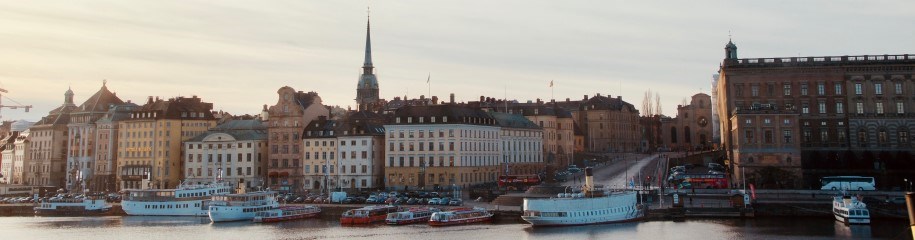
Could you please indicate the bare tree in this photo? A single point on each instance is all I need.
(657, 104)
(647, 104)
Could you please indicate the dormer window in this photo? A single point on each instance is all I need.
(432, 119)
(445, 119)
(397, 120)
(420, 119)
(409, 119)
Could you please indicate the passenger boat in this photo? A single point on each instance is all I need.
(237, 207)
(592, 206)
(90, 205)
(186, 200)
(286, 213)
(368, 214)
(460, 216)
(849, 210)
(411, 216)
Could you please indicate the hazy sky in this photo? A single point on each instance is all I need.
(236, 54)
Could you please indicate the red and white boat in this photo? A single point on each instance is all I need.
(411, 216)
(460, 216)
(287, 213)
(368, 214)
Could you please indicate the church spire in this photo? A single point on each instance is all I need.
(367, 65)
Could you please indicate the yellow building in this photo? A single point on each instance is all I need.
(150, 141)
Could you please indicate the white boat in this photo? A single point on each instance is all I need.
(460, 216)
(849, 210)
(592, 206)
(237, 207)
(186, 200)
(286, 214)
(72, 207)
(410, 216)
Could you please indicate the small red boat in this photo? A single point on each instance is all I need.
(460, 216)
(368, 214)
(286, 213)
(411, 216)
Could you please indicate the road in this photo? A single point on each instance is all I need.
(614, 174)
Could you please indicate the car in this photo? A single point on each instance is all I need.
(348, 200)
(714, 172)
(360, 200)
(434, 201)
(299, 200)
(574, 169)
(456, 202)
(895, 200)
(422, 194)
(411, 201)
(444, 201)
(433, 194)
(393, 194)
(371, 200)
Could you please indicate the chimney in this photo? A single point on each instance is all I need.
(434, 100)
(482, 99)
(567, 99)
(589, 179)
(619, 97)
(452, 98)
(149, 100)
(586, 98)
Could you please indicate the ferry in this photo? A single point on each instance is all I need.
(238, 207)
(91, 205)
(411, 216)
(591, 206)
(186, 200)
(460, 216)
(849, 210)
(368, 214)
(286, 214)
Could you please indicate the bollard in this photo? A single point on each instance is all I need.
(910, 206)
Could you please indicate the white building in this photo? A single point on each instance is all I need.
(234, 151)
(12, 152)
(522, 144)
(319, 162)
(358, 140)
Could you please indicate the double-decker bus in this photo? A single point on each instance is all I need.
(848, 183)
(517, 182)
(682, 181)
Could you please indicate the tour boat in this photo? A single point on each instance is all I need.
(592, 206)
(237, 207)
(411, 216)
(186, 200)
(849, 210)
(368, 214)
(72, 207)
(286, 213)
(460, 216)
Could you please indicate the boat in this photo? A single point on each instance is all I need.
(244, 206)
(411, 216)
(185, 200)
(460, 216)
(367, 214)
(90, 205)
(849, 210)
(591, 206)
(286, 213)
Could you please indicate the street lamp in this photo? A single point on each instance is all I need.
(908, 184)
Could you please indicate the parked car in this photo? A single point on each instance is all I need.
(434, 201)
(456, 202)
(896, 200)
(433, 194)
(371, 200)
(402, 200)
(444, 201)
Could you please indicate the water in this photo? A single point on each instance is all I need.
(192, 228)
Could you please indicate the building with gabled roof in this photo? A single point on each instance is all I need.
(83, 139)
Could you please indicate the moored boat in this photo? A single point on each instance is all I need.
(367, 214)
(91, 205)
(237, 207)
(460, 216)
(411, 216)
(592, 206)
(849, 210)
(186, 200)
(287, 213)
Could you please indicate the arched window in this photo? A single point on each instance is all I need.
(862, 137)
(686, 135)
(673, 134)
(881, 136)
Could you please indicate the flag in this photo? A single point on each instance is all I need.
(551, 83)
(429, 78)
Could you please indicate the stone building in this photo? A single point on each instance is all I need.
(854, 112)
(48, 140)
(150, 145)
(106, 148)
(82, 142)
(610, 125)
(521, 144)
(234, 151)
(358, 140)
(286, 121)
(691, 129)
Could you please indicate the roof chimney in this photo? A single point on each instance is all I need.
(150, 100)
(452, 98)
(434, 100)
(586, 97)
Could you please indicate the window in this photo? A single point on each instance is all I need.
(787, 89)
(821, 88)
(881, 136)
(824, 135)
(838, 88)
(739, 90)
(858, 88)
(787, 135)
(768, 136)
(879, 107)
(878, 88)
(859, 107)
(862, 137)
(787, 121)
(822, 107)
(754, 90)
(900, 108)
(750, 136)
(805, 109)
(804, 89)
(903, 137)
(898, 88)
(839, 108)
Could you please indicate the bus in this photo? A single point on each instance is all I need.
(518, 182)
(684, 181)
(848, 183)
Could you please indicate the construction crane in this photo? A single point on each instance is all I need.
(27, 107)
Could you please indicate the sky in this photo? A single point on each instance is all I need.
(237, 54)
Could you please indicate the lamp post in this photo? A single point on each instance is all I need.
(908, 184)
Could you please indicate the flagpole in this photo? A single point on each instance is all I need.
(429, 84)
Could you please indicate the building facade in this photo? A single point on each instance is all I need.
(286, 122)
(691, 129)
(150, 142)
(854, 112)
(48, 140)
(7, 153)
(82, 142)
(610, 125)
(320, 163)
(106, 150)
(521, 144)
(234, 151)
(441, 146)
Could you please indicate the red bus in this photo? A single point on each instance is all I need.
(518, 181)
(682, 181)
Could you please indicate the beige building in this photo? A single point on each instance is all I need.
(521, 144)
(106, 150)
(286, 121)
(234, 151)
(47, 149)
(82, 142)
(150, 141)
(358, 140)
(691, 129)
(558, 131)
(610, 125)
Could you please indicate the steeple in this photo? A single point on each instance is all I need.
(367, 88)
(68, 97)
(367, 65)
(730, 50)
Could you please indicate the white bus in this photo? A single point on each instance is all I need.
(848, 183)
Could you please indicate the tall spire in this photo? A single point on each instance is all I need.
(367, 66)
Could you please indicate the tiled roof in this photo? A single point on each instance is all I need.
(507, 120)
(239, 129)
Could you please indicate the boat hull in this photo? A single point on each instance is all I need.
(71, 212)
(229, 214)
(852, 220)
(362, 220)
(137, 208)
(461, 221)
(406, 221)
(556, 222)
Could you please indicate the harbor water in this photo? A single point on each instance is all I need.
(145, 228)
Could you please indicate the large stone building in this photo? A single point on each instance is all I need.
(441, 146)
(234, 151)
(106, 148)
(150, 142)
(691, 129)
(82, 142)
(610, 125)
(521, 144)
(854, 112)
(48, 140)
(286, 121)
(358, 140)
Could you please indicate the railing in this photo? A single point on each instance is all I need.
(822, 60)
